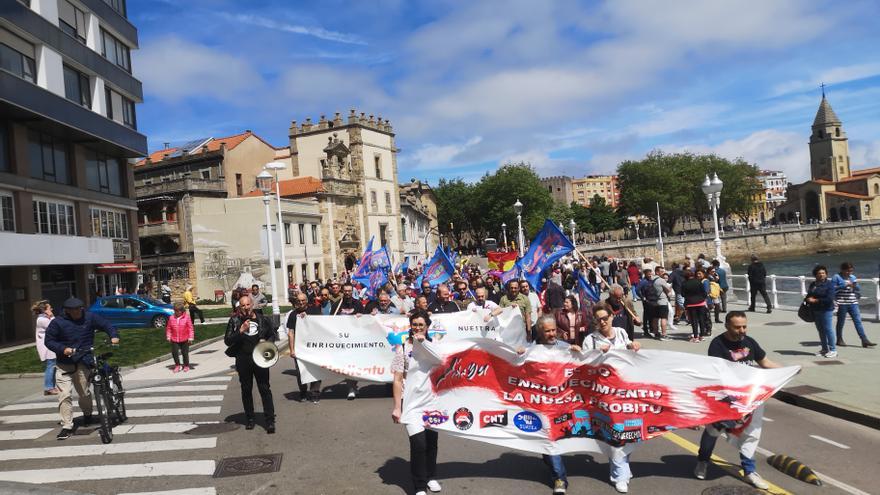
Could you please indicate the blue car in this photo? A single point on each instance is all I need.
(130, 311)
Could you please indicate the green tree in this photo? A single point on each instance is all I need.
(603, 217)
(582, 217)
(455, 199)
(496, 193)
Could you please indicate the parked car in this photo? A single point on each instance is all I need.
(130, 311)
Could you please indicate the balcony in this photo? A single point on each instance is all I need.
(183, 185)
(158, 229)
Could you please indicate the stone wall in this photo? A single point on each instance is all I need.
(765, 243)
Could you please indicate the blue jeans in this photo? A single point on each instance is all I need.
(557, 467)
(855, 314)
(826, 333)
(707, 445)
(618, 464)
(49, 375)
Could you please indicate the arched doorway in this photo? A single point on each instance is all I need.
(790, 217)
(350, 262)
(832, 216)
(844, 215)
(811, 200)
(853, 212)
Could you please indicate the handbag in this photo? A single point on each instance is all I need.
(805, 312)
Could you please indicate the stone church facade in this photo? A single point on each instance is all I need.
(834, 192)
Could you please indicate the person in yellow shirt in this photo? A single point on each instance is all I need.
(190, 302)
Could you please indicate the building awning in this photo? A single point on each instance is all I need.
(117, 268)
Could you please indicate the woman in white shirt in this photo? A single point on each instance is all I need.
(43, 310)
(422, 442)
(605, 338)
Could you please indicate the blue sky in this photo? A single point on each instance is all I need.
(571, 87)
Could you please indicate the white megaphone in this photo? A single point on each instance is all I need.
(265, 354)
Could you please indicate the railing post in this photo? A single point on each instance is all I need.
(877, 296)
(773, 290)
(748, 290)
(803, 280)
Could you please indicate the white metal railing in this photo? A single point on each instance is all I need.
(788, 291)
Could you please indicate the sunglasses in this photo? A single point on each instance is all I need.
(604, 319)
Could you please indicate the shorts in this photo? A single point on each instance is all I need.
(661, 311)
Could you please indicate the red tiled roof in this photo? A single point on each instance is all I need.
(848, 195)
(298, 187)
(866, 171)
(213, 145)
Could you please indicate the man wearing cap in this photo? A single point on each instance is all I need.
(70, 337)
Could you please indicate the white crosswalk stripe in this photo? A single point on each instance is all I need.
(177, 388)
(23, 434)
(110, 448)
(208, 379)
(129, 429)
(158, 399)
(132, 413)
(208, 490)
(103, 472)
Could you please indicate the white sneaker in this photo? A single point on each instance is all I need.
(434, 486)
(820, 353)
(831, 354)
(756, 480)
(700, 470)
(421, 493)
(621, 487)
(351, 395)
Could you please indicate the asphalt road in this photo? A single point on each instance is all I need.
(342, 447)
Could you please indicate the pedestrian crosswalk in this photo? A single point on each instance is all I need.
(158, 433)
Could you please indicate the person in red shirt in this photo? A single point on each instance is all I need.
(179, 331)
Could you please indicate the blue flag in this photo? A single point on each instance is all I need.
(380, 259)
(362, 272)
(404, 267)
(378, 278)
(548, 246)
(586, 291)
(511, 274)
(438, 270)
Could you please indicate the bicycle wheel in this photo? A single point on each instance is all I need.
(119, 396)
(106, 427)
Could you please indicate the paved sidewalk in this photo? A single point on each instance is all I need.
(845, 386)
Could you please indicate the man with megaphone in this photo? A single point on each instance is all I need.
(244, 331)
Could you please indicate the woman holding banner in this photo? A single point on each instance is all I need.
(605, 338)
(422, 442)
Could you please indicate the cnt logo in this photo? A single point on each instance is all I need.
(493, 418)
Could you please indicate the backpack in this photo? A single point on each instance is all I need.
(649, 291)
(714, 290)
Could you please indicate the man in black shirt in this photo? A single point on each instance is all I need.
(444, 302)
(348, 305)
(757, 276)
(301, 308)
(734, 345)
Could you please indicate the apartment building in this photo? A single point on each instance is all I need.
(68, 127)
(583, 189)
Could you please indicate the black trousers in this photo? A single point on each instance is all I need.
(754, 289)
(180, 348)
(193, 311)
(701, 325)
(423, 458)
(248, 371)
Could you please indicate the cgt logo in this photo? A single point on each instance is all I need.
(463, 419)
(435, 417)
(493, 418)
(527, 421)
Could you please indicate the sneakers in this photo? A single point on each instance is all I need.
(694, 339)
(352, 394)
(831, 354)
(559, 486)
(185, 369)
(250, 424)
(64, 434)
(868, 343)
(55, 391)
(176, 369)
(422, 492)
(270, 428)
(821, 353)
(665, 337)
(757, 481)
(621, 487)
(434, 486)
(700, 470)
(841, 343)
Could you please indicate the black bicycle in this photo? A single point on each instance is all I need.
(108, 391)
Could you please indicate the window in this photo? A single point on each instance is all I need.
(115, 51)
(302, 235)
(4, 148)
(304, 271)
(317, 271)
(837, 131)
(48, 157)
(7, 213)
(111, 224)
(387, 201)
(374, 203)
(403, 229)
(206, 174)
(76, 87)
(103, 173)
(117, 5)
(314, 235)
(17, 56)
(72, 20)
(51, 217)
(120, 108)
(286, 233)
(377, 160)
(238, 185)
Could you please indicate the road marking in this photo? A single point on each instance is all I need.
(828, 480)
(106, 449)
(765, 418)
(830, 442)
(720, 462)
(207, 490)
(178, 388)
(126, 429)
(160, 399)
(109, 472)
(23, 434)
(207, 379)
(131, 413)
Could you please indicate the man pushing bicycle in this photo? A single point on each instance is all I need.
(71, 336)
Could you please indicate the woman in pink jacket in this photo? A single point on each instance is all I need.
(179, 331)
(43, 310)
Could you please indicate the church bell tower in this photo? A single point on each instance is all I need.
(829, 147)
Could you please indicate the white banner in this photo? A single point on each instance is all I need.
(555, 401)
(362, 347)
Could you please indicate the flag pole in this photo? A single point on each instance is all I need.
(660, 236)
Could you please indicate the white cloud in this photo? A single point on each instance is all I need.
(658, 121)
(209, 243)
(173, 69)
(438, 156)
(317, 32)
(834, 75)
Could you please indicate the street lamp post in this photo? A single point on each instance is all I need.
(517, 208)
(797, 215)
(504, 233)
(264, 183)
(636, 225)
(156, 251)
(712, 190)
(573, 226)
(275, 167)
